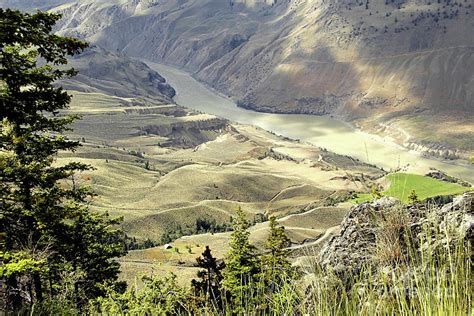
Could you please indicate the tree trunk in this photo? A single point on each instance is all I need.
(13, 296)
(38, 286)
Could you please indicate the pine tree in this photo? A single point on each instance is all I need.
(209, 284)
(376, 194)
(275, 263)
(277, 273)
(42, 216)
(413, 197)
(242, 266)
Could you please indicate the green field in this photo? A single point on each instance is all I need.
(401, 185)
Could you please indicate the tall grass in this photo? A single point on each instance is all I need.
(429, 273)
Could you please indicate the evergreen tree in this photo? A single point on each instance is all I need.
(375, 191)
(42, 216)
(210, 278)
(275, 264)
(90, 246)
(413, 197)
(241, 267)
(277, 273)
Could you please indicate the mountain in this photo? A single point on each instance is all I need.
(116, 74)
(393, 67)
(31, 5)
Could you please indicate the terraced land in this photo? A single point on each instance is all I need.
(165, 168)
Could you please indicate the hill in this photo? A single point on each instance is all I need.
(102, 71)
(389, 66)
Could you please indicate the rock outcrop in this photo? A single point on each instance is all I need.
(188, 133)
(355, 248)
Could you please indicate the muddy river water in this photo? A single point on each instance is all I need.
(321, 131)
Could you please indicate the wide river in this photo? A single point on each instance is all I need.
(321, 131)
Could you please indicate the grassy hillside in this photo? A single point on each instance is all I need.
(162, 167)
(401, 185)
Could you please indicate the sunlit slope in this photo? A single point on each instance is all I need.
(392, 67)
(301, 228)
(163, 167)
(402, 184)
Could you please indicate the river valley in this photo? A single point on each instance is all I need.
(325, 132)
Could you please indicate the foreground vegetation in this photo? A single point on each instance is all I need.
(51, 245)
(425, 274)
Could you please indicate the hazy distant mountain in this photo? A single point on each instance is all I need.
(31, 4)
(392, 66)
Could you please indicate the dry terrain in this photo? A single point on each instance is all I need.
(391, 67)
(163, 165)
(177, 175)
(164, 168)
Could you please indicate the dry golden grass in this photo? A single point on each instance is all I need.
(158, 188)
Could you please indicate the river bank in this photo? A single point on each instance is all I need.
(326, 132)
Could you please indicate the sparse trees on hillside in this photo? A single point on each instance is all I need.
(45, 227)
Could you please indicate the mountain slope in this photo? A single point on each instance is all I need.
(115, 74)
(390, 66)
(31, 5)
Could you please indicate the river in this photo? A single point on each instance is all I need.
(320, 131)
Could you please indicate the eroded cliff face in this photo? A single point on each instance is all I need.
(403, 63)
(103, 71)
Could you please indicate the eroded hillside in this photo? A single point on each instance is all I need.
(172, 172)
(391, 67)
(102, 71)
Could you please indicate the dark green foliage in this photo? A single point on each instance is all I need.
(131, 243)
(90, 246)
(413, 197)
(242, 266)
(157, 296)
(250, 281)
(376, 194)
(209, 285)
(275, 262)
(46, 229)
(277, 274)
(201, 226)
